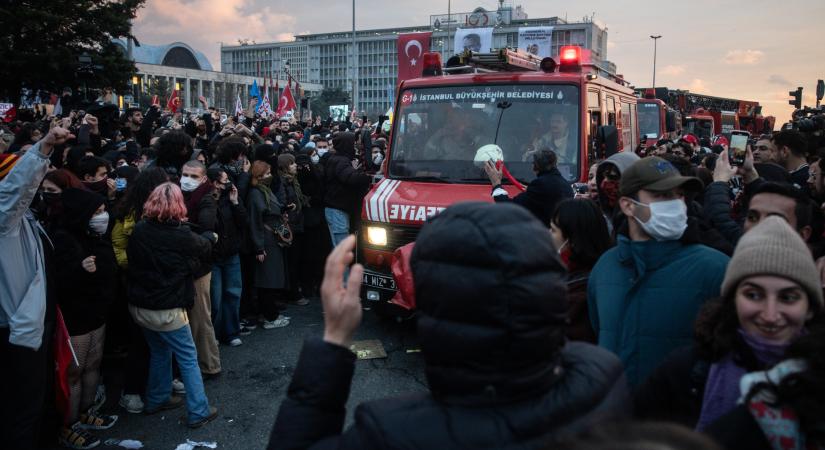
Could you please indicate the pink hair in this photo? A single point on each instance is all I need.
(165, 203)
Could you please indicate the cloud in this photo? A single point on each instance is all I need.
(673, 70)
(204, 24)
(698, 86)
(744, 57)
(778, 79)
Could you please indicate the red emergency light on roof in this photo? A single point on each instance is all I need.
(650, 94)
(570, 57)
(432, 64)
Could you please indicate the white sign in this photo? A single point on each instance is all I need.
(4, 107)
(339, 113)
(473, 39)
(536, 40)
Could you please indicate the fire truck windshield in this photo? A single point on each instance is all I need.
(439, 130)
(649, 120)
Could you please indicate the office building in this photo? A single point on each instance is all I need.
(324, 59)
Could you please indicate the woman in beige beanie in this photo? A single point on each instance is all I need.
(771, 294)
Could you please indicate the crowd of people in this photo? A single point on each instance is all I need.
(676, 288)
(161, 236)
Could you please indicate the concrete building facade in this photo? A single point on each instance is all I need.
(325, 59)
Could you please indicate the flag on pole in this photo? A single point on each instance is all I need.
(174, 102)
(238, 106)
(264, 109)
(255, 92)
(285, 102)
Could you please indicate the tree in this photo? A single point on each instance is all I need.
(41, 46)
(321, 102)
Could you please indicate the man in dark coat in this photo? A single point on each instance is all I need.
(492, 316)
(542, 194)
(346, 185)
(202, 211)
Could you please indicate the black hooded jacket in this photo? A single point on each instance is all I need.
(163, 259)
(492, 313)
(84, 297)
(345, 186)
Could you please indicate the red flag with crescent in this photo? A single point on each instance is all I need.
(411, 49)
(174, 102)
(286, 102)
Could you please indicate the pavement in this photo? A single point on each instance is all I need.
(256, 375)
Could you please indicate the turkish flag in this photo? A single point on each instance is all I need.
(286, 102)
(411, 49)
(63, 357)
(174, 102)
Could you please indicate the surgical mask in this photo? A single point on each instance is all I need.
(377, 158)
(668, 219)
(188, 184)
(99, 222)
(315, 159)
(322, 151)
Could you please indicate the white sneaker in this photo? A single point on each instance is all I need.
(178, 387)
(280, 322)
(131, 403)
(235, 342)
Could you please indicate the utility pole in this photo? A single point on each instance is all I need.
(655, 40)
(354, 65)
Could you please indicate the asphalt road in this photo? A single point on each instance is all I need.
(255, 379)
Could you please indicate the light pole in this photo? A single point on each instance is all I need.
(655, 39)
(354, 65)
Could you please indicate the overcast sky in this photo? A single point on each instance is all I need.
(748, 49)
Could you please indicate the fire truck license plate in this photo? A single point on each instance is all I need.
(379, 281)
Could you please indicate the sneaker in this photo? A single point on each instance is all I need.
(303, 301)
(77, 438)
(235, 342)
(280, 322)
(249, 324)
(95, 421)
(178, 387)
(246, 331)
(213, 413)
(173, 402)
(100, 399)
(131, 403)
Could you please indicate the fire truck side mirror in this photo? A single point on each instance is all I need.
(607, 141)
(820, 90)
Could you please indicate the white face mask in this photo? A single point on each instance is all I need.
(668, 219)
(322, 151)
(315, 159)
(99, 222)
(377, 158)
(188, 184)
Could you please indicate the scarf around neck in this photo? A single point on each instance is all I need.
(722, 386)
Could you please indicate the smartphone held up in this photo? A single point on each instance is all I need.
(738, 147)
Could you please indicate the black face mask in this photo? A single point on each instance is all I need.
(101, 186)
(51, 198)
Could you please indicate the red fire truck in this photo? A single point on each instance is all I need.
(708, 116)
(508, 98)
(657, 120)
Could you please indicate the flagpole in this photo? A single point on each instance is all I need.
(354, 64)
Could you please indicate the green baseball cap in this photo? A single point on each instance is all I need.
(657, 175)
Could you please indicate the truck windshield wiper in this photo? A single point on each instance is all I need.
(426, 178)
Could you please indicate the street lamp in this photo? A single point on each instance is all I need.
(655, 39)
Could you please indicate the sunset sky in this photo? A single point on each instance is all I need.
(753, 50)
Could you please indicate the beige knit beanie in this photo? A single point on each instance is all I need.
(774, 248)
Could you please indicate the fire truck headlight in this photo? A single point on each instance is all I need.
(377, 236)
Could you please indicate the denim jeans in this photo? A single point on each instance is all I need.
(159, 387)
(226, 288)
(338, 222)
